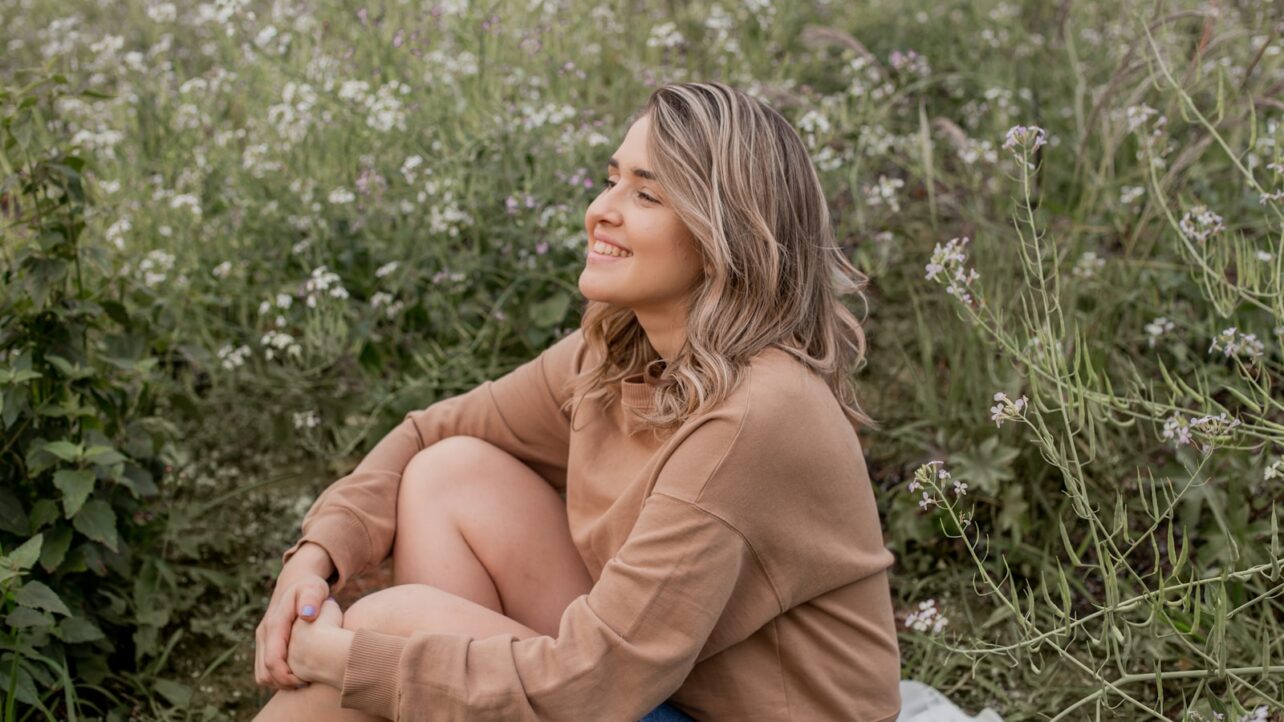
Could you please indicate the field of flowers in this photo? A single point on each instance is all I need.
(242, 238)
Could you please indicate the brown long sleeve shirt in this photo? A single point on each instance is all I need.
(738, 563)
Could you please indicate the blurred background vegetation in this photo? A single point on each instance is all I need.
(242, 238)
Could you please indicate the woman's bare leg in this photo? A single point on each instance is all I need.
(482, 548)
(476, 522)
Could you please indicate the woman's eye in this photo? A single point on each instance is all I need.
(611, 184)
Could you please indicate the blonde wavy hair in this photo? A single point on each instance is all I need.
(738, 175)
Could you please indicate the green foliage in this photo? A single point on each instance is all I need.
(80, 457)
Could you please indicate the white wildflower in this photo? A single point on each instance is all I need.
(306, 419)
(233, 357)
(927, 618)
(1007, 409)
(1088, 265)
(1199, 223)
(1158, 328)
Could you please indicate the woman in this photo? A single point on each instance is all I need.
(718, 546)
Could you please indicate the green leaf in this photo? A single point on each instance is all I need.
(103, 455)
(97, 520)
(78, 629)
(13, 515)
(27, 554)
(55, 548)
(38, 595)
(64, 450)
(75, 485)
(43, 512)
(28, 617)
(178, 694)
(987, 466)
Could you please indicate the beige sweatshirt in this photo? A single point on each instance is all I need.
(738, 563)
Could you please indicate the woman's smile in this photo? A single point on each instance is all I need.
(603, 251)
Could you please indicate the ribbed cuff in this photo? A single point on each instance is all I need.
(342, 537)
(370, 681)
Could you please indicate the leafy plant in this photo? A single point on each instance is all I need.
(80, 455)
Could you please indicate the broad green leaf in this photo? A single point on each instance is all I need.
(178, 694)
(64, 450)
(38, 595)
(28, 617)
(75, 485)
(57, 542)
(97, 520)
(78, 629)
(27, 554)
(103, 455)
(43, 512)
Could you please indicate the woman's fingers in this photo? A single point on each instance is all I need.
(331, 613)
(277, 641)
(311, 594)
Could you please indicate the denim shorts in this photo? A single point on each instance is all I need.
(667, 713)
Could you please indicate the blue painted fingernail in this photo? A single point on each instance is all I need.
(309, 610)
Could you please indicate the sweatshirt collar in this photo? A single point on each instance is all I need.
(638, 390)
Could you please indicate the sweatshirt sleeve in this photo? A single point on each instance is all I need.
(621, 649)
(354, 518)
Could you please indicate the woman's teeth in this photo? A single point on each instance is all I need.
(610, 250)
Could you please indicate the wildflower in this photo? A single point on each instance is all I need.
(1088, 265)
(386, 269)
(1006, 408)
(1157, 328)
(1235, 343)
(276, 341)
(926, 618)
(1257, 715)
(1199, 223)
(1263, 256)
(960, 488)
(1176, 427)
(1026, 138)
(222, 269)
(1128, 194)
(116, 232)
(306, 419)
(408, 168)
(156, 266)
(380, 298)
(341, 195)
(323, 282)
(232, 358)
(1138, 115)
(926, 501)
(885, 192)
(664, 35)
(1275, 470)
(1270, 197)
(950, 258)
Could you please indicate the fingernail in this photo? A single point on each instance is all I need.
(309, 610)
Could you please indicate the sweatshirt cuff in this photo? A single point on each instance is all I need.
(342, 537)
(370, 681)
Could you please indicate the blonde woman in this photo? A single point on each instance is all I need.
(665, 515)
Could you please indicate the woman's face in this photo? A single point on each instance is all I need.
(660, 264)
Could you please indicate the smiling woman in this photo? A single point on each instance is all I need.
(728, 564)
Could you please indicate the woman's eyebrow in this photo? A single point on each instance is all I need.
(639, 172)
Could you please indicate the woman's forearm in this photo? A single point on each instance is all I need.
(311, 557)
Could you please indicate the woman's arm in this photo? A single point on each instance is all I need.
(353, 520)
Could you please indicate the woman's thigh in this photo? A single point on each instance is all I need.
(475, 521)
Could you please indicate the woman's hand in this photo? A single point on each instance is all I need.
(319, 650)
(300, 590)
